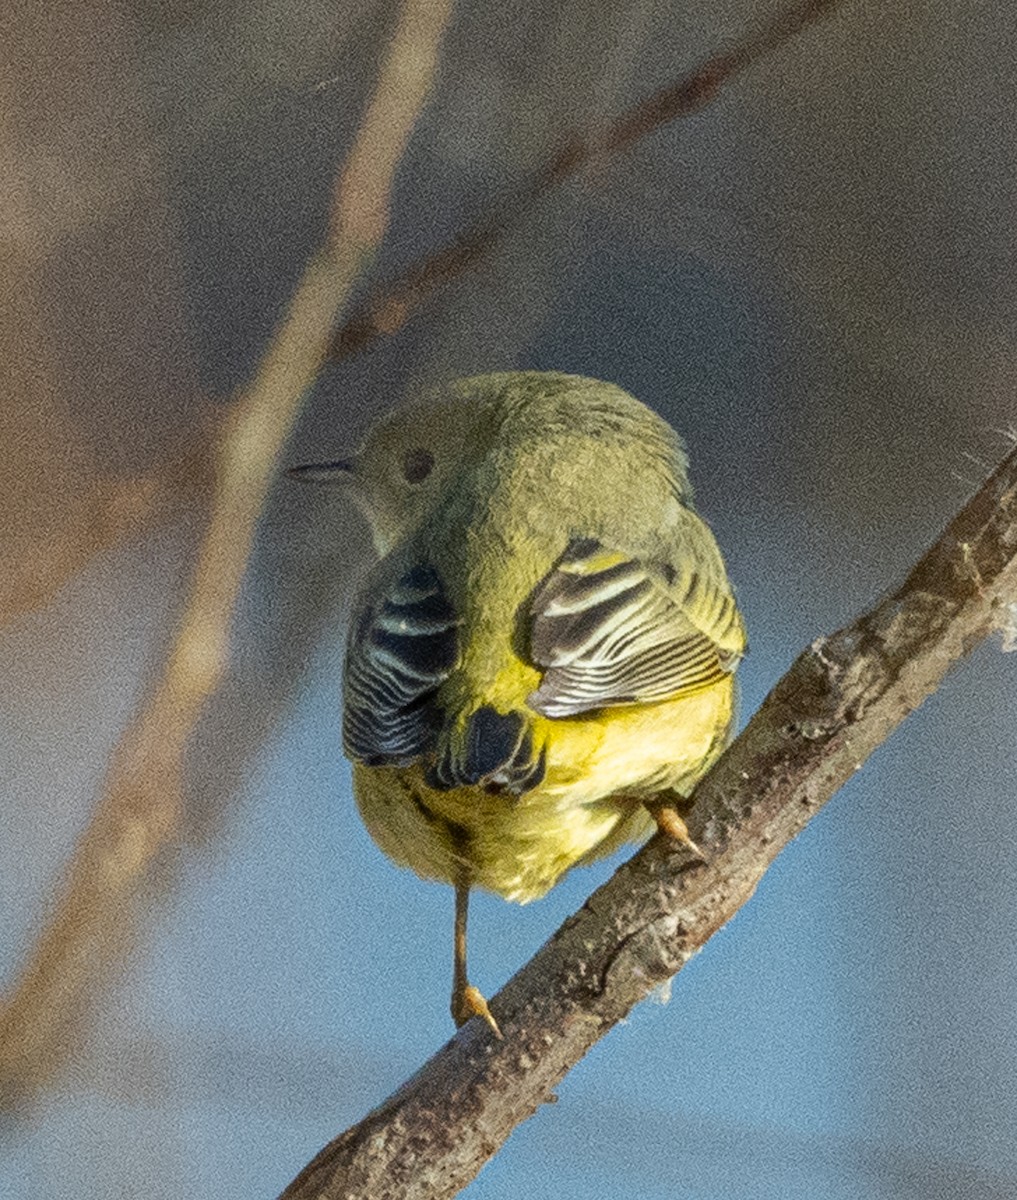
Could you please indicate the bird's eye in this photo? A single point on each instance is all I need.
(417, 465)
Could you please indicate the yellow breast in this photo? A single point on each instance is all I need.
(600, 767)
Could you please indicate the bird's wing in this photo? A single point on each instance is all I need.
(609, 629)
(403, 645)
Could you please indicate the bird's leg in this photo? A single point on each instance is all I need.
(671, 822)
(466, 999)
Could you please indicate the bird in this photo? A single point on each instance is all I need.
(540, 664)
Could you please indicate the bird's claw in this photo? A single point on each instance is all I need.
(468, 1002)
(670, 822)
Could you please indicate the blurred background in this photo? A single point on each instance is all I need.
(814, 280)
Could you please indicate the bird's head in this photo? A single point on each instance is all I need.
(565, 429)
(410, 460)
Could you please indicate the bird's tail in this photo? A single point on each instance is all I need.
(488, 749)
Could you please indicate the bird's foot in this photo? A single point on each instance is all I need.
(467, 1002)
(671, 822)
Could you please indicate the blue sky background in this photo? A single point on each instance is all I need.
(814, 282)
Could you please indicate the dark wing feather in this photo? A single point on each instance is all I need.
(403, 645)
(611, 630)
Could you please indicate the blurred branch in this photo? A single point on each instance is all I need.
(138, 812)
(838, 702)
(35, 563)
(117, 509)
(388, 309)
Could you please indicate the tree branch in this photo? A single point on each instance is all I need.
(389, 307)
(139, 810)
(838, 702)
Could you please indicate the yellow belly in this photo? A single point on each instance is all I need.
(599, 769)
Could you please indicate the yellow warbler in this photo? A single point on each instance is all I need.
(540, 664)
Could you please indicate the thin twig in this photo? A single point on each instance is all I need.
(138, 813)
(389, 307)
(837, 703)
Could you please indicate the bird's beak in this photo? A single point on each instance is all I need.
(337, 471)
